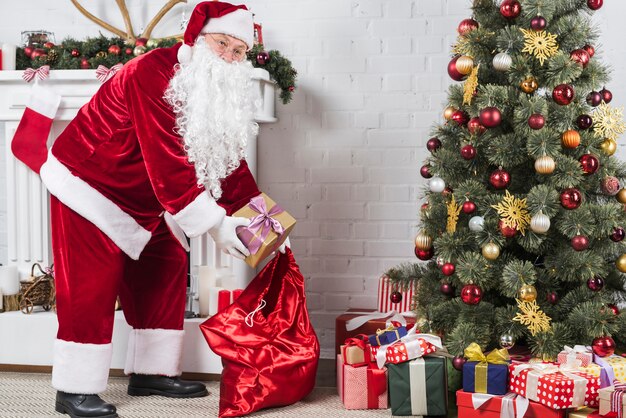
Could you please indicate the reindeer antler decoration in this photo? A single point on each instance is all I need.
(129, 34)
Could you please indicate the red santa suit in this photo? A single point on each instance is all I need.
(122, 188)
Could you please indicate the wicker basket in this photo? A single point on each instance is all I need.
(39, 291)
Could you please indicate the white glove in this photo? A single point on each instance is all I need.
(285, 244)
(226, 239)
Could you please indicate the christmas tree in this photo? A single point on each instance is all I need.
(524, 215)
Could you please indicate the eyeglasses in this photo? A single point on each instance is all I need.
(222, 46)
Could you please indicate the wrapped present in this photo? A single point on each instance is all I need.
(578, 352)
(511, 405)
(391, 297)
(365, 321)
(418, 387)
(269, 227)
(612, 368)
(409, 347)
(486, 373)
(362, 387)
(357, 351)
(387, 335)
(554, 386)
(584, 413)
(613, 400)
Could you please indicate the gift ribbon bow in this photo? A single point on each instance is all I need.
(474, 353)
(364, 317)
(536, 370)
(411, 340)
(40, 73)
(617, 398)
(262, 223)
(103, 73)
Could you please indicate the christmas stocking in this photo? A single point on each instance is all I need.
(29, 144)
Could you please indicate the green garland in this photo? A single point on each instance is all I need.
(92, 52)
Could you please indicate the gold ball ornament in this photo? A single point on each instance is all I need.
(621, 196)
(101, 54)
(528, 293)
(529, 85)
(545, 165)
(491, 251)
(609, 146)
(620, 263)
(448, 112)
(139, 50)
(152, 43)
(464, 64)
(423, 241)
(570, 139)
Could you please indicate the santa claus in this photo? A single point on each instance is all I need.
(157, 154)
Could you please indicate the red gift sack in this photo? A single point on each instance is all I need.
(268, 346)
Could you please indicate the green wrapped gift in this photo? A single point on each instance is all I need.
(419, 387)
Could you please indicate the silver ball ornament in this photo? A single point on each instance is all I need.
(507, 341)
(540, 223)
(476, 223)
(437, 185)
(502, 62)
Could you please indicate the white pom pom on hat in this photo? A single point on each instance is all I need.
(217, 17)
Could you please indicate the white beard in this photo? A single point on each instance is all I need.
(214, 103)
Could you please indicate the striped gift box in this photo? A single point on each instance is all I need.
(386, 288)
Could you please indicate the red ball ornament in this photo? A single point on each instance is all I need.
(590, 50)
(589, 163)
(475, 127)
(448, 269)
(458, 362)
(580, 243)
(447, 289)
(48, 45)
(618, 234)
(500, 179)
(460, 117)
(580, 56)
(466, 26)
(490, 117)
(510, 9)
(595, 4)
(571, 198)
(594, 98)
(141, 41)
(563, 94)
(536, 121)
(453, 72)
(506, 230)
(538, 23)
(84, 64)
(424, 206)
(75, 53)
(425, 172)
(469, 207)
(603, 346)
(395, 297)
(291, 88)
(610, 185)
(128, 51)
(262, 58)
(468, 152)
(424, 255)
(613, 308)
(607, 96)
(28, 50)
(115, 49)
(552, 298)
(471, 294)
(433, 144)
(38, 52)
(584, 122)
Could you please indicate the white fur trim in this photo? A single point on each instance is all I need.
(176, 230)
(44, 101)
(200, 215)
(82, 198)
(154, 351)
(184, 54)
(81, 368)
(238, 24)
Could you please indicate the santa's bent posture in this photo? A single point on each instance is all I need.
(155, 155)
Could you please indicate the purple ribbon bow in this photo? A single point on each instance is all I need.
(103, 73)
(263, 223)
(40, 73)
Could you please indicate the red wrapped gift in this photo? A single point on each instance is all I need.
(362, 387)
(388, 291)
(491, 406)
(410, 347)
(578, 352)
(555, 387)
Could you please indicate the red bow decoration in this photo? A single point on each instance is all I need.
(103, 73)
(40, 73)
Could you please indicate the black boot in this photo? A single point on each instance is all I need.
(172, 387)
(79, 406)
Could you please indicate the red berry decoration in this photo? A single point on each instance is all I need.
(115, 49)
(510, 9)
(589, 163)
(75, 53)
(618, 234)
(614, 308)
(425, 172)
(610, 185)
(580, 56)
(469, 207)
(28, 50)
(536, 121)
(395, 297)
(475, 127)
(607, 96)
(538, 23)
(458, 362)
(433, 144)
(38, 52)
(603, 346)
(128, 51)
(466, 26)
(595, 4)
(471, 294)
(580, 243)
(468, 152)
(141, 41)
(48, 45)
(552, 298)
(500, 179)
(563, 94)
(262, 58)
(460, 117)
(594, 98)
(571, 198)
(584, 122)
(590, 50)
(506, 230)
(448, 269)
(446, 289)
(490, 117)
(424, 255)
(84, 64)
(453, 72)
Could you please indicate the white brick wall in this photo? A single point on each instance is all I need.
(344, 157)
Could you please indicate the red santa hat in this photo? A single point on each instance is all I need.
(217, 17)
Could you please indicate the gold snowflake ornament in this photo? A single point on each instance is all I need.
(608, 121)
(470, 86)
(513, 212)
(531, 316)
(541, 44)
(454, 209)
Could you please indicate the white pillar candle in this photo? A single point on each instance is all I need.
(9, 280)
(8, 56)
(207, 280)
(213, 299)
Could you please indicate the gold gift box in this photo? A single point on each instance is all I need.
(273, 240)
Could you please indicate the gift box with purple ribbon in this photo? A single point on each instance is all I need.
(269, 227)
